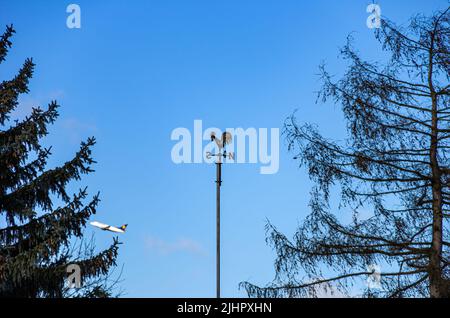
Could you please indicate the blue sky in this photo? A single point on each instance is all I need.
(136, 70)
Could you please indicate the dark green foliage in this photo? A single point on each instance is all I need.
(35, 245)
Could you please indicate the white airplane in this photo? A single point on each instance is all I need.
(106, 227)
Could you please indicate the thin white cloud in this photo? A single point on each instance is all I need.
(25, 107)
(75, 124)
(180, 245)
(77, 129)
(27, 102)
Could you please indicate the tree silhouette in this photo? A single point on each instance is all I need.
(35, 244)
(395, 161)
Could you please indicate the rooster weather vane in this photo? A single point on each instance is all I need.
(221, 144)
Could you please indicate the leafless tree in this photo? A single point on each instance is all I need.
(395, 161)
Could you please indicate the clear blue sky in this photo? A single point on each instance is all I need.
(138, 69)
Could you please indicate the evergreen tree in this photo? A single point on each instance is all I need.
(395, 161)
(35, 237)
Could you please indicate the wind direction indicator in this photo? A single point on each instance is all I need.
(221, 144)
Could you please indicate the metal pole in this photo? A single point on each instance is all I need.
(218, 184)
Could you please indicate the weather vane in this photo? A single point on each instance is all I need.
(222, 153)
(221, 144)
